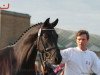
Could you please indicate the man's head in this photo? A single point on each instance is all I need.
(81, 32)
(82, 37)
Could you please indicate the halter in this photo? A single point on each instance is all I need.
(46, 50)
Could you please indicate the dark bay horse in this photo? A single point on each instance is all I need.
(19, 58)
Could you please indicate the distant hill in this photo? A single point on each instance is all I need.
(67, 39)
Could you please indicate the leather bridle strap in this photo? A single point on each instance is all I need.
(42, 60)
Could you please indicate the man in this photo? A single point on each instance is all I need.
(80, 60)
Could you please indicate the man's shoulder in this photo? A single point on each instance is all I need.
(90, 51)
(93, 54)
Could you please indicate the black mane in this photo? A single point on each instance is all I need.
(27, 31)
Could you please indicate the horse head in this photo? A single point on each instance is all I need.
(47, 42)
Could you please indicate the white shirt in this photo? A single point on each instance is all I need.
(78, 62)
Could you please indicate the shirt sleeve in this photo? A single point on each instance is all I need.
(96, 64)
(65, 55)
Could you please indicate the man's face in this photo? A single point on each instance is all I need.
(82, 41)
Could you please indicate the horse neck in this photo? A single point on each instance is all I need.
(24, 45)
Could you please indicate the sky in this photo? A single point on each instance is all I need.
(72, 14)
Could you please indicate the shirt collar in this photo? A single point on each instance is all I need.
(80, 49)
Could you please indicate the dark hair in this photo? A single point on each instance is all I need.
(81, 32)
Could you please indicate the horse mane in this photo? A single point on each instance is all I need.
(23, 46)
(34, 25)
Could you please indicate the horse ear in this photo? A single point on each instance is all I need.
(54, 23)
(46, 22)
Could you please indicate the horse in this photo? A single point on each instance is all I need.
(19, 58)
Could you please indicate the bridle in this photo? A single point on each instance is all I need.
(44, 55)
